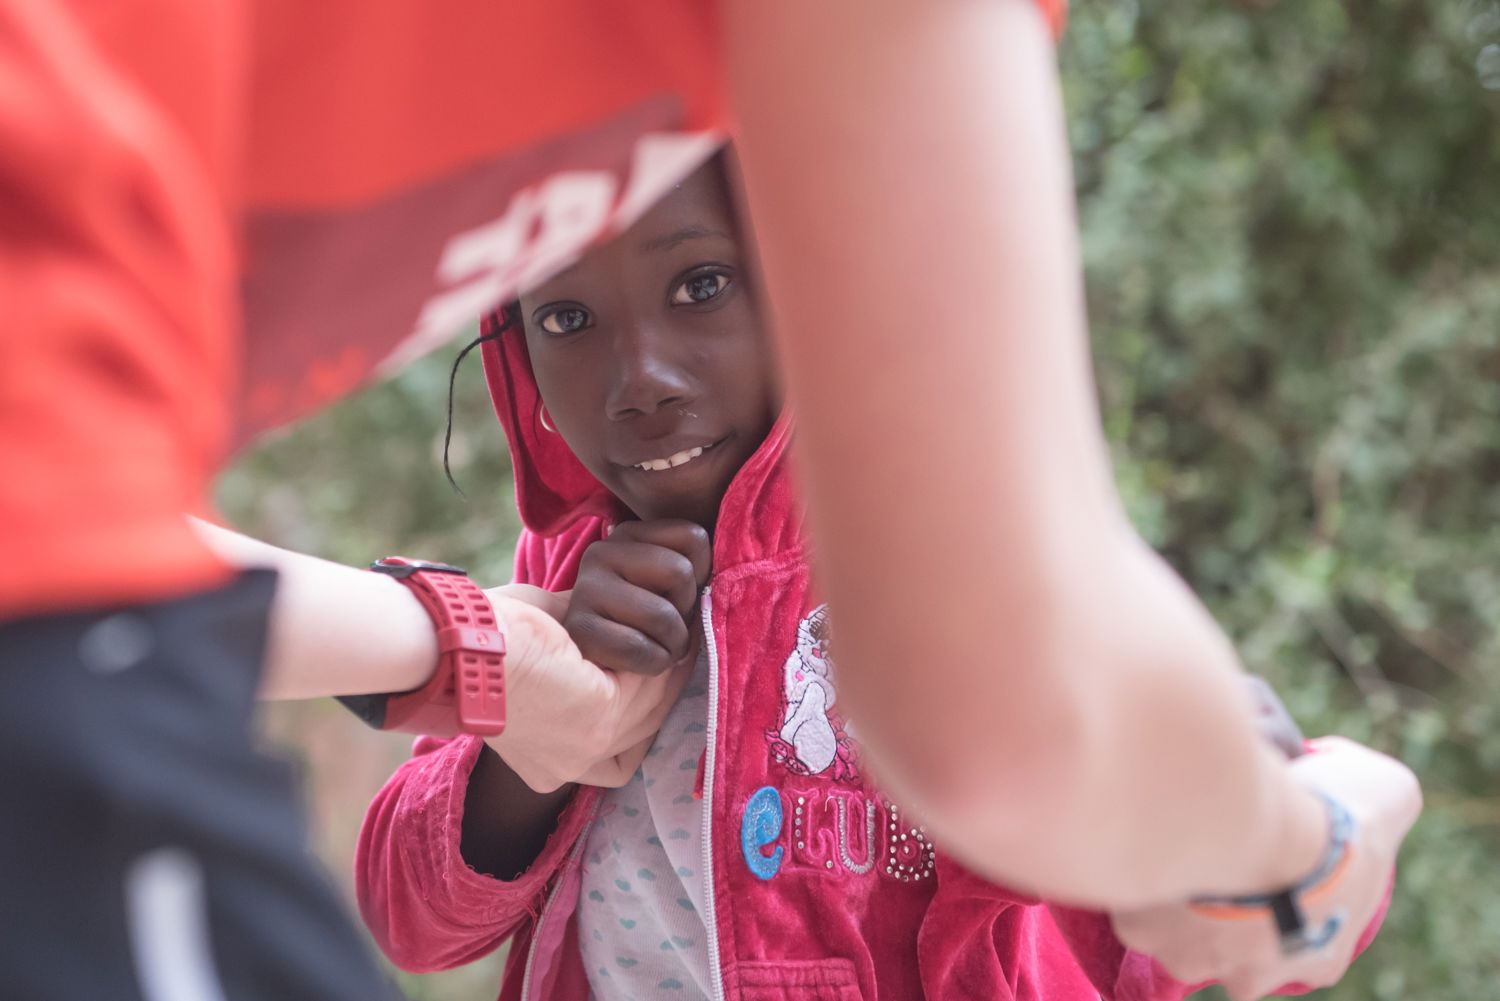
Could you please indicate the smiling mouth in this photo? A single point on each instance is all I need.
(675, 459)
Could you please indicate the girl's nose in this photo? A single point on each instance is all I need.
(647, 377)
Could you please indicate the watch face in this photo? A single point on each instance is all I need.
(400, 566)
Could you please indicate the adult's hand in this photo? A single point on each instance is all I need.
(569, 720)
(1243, 952)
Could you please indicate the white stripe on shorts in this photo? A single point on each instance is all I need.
(167, 917)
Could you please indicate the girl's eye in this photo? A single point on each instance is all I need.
(700, 288)
(567, 320)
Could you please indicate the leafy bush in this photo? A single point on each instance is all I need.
(1292, 242)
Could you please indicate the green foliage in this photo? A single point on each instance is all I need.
(1292, 239)
(1293, 243)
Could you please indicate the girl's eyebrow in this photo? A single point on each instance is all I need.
(657, 244)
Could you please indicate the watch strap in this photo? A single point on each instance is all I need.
(1285, 907)
(466, 693)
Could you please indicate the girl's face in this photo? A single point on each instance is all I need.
(650, 358)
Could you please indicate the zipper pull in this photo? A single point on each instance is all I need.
(698, 782)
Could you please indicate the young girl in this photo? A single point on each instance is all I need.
(751, 855)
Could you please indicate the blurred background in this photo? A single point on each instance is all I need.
(1291, 225)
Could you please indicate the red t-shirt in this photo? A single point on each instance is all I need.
(217, 217)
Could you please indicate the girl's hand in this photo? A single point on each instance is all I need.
(632, 604)
(1244, 954)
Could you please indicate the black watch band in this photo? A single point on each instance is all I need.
(1286, 906)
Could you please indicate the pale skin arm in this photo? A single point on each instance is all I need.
(1025, 672)
(337, 630)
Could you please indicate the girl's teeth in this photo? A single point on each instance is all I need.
(671, 460)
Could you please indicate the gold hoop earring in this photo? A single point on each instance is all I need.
(543, 417)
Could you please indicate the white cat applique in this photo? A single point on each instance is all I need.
(811, 739)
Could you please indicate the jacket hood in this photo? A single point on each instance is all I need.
(554, 489)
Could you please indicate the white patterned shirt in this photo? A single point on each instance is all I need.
(642, 899)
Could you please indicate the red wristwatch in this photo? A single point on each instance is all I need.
(466, 693)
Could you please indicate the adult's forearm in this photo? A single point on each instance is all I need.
(1142, 778)
(1018, 666)
(334, 630)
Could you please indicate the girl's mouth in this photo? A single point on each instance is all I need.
(675, 459)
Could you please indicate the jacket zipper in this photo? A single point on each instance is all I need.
(711, 923)
(536, 935)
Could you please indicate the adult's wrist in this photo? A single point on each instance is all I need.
(1298, 838)
(414, 645)
(334, 630)
(341, 631)
(1286, 908)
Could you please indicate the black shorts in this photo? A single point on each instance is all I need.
(147, 850)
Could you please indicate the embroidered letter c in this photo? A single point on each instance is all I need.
(761, 826)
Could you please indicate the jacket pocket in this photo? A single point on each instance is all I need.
(801, 980)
